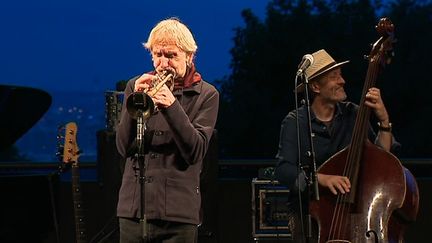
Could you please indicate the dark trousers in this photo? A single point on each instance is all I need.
(158, 231)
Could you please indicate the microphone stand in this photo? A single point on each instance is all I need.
(310, 169)
(142, 179)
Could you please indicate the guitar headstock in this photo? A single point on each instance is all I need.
(382, 49)
(68, 150)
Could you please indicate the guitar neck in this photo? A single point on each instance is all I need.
(80, 229)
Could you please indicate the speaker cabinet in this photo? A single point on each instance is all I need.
(271, 210)
(208, 230)
(110, 167)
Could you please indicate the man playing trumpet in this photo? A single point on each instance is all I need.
(176, 139)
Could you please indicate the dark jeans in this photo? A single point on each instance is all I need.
(158, 231)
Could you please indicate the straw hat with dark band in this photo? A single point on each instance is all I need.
(322, 63)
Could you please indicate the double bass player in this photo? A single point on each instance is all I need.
(332, 121)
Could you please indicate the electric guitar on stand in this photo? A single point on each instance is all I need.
(69, 156)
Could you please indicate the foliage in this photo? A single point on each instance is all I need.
(259, 91)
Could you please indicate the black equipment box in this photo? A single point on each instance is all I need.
(271, 210)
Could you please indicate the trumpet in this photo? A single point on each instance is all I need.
(141, 103)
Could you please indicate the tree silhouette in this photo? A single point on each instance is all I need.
(408, 87)
(259, 92)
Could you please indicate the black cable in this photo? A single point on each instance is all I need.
(102, 235)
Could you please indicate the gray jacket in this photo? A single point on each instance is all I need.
(175, 143)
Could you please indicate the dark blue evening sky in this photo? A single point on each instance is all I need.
(90, 45)
(77, 50)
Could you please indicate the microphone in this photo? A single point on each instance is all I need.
(306, 61)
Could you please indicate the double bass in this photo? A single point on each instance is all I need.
(383, 198)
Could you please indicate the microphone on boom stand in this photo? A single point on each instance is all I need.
(140, 107)
(306, 61)
(308, 168)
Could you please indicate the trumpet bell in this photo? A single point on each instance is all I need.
(140, 104)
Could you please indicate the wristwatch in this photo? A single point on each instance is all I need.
(383, 128)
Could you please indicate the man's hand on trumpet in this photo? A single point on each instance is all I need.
(142, 83)
(163, 98)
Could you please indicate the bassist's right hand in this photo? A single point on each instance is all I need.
(335, 183)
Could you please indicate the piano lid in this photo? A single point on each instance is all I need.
(20, 109)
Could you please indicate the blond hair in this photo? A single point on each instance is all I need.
(172, 31)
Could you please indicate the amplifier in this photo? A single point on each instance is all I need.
(113, 105)
(272, 213)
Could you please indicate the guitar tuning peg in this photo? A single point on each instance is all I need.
(58, 154)
(60, 167)
(366, 57)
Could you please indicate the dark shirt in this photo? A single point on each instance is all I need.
(328, 139)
